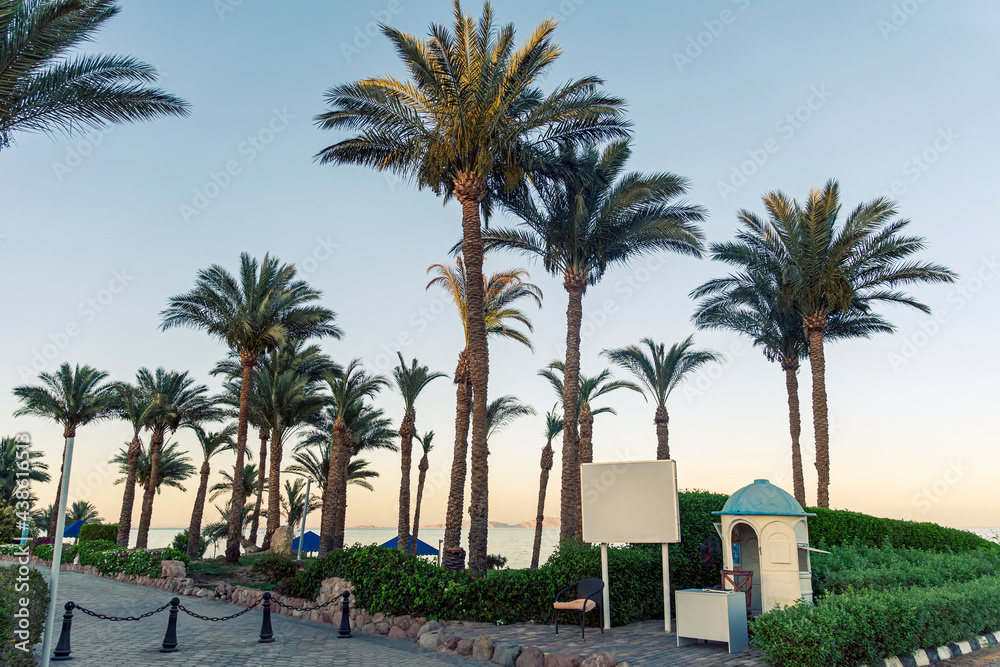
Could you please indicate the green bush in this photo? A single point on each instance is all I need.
(10, 523)
(274, 568)
(13, 587)
(44, 551)
(181, 542)
(99, 531)
(862, 567)
(836, 527)
(866, 626)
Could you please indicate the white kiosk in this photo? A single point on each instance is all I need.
(764, 531)
(631, 501)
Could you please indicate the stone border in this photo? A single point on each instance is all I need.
(934, 655)
(428, 634)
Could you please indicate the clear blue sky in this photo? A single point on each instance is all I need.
(98, 232)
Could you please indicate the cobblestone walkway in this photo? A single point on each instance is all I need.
(230, 643)
(640, 644)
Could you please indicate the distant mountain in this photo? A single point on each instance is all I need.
(547, 522)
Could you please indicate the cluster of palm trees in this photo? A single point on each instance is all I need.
(469, 121)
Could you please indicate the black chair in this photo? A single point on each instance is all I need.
(588, 597)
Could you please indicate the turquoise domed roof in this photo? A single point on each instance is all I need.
(762, 497)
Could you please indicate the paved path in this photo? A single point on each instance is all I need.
(96, 642)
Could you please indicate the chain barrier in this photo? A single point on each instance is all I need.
(105, 617)
(319, 606)
(218, 618)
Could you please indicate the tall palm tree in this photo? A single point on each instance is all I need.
(426, 444)
(175, 467)
(467, 124)
(293, 502)
(139, 406)
(15, 466)
(45, 86)
(351, 386)
(71, 397)
(83, 510)
(409, 381)
(553, 427)
(586, 217)
(248, 482)
(181, 404)
(830, 268)
(211, 443)
(660, 371)
(503, 290)
(256, 313)
(314, 463)
(286, 396)
(748, 303)
(501, 413)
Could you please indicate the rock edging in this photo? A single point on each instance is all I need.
(934, 655)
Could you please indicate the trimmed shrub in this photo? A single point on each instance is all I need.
(44, 551)
(181, 542)
(274, 568)
(866, 626)
(137, 561)
(836, 527)
(13, 587)
(99, 531)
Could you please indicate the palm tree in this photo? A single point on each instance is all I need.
(138, 406)
(748, 302)
(181, 404)
(660, 371)
(83, 510)
(211, 443)
(70, 397)
(42, 518)
(351, 386)
(427, 444)
(829, 268)
(315, 464)
(12, 462)
(501, 413)
(293, 502)
(410, 381)
(587, 217)
(248, 482)
(253, 315)
(286, 396)
(467, 125)
(553, 427)
(46, 87)
(503, 290)
(174, 467)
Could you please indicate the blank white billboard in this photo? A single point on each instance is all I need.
(630, 501)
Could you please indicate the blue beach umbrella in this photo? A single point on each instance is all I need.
(310, 543)
(73, 529)
(423, 549)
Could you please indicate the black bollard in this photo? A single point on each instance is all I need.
(345, 617)
(62, 648)
(170, 639)
(266, 634)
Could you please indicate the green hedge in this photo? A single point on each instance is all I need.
(99, 531)
(836, 527)
(861, 567)
(109, 559)
(866, 626)
(13, 587)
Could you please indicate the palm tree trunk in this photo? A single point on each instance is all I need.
(54, 518)
(422, 467)
(662, 420)
(149, 492)
(331, 493)
(570, 501)
(586, 451)
(454, 558)
(194, 530)
(543, 482)
(247, 360)
(470, 189)
(791, 367)
(406, 431)
(345, 456)
(128, 498)
(274, 491)
(815, 326)
(255, 522)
